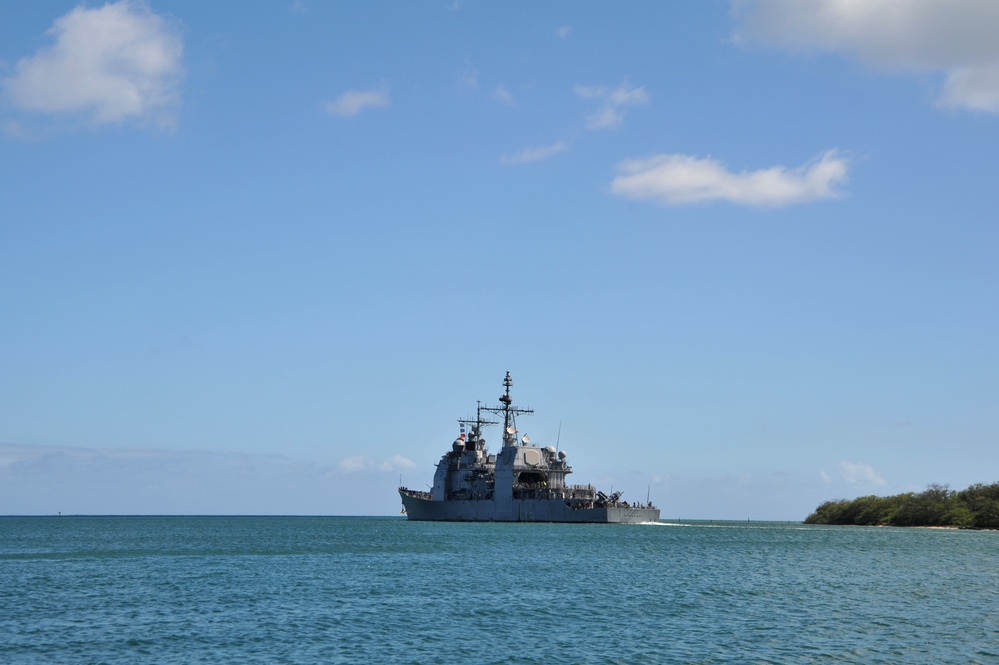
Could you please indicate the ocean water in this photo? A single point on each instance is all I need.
(383, 590)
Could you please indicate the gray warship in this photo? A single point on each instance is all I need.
(522, 483)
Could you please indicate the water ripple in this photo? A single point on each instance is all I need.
(336, 590)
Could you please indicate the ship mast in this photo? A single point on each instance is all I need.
(509, 413)
(476, 425)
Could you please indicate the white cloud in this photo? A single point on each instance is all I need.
(352, 102)
(855, 472)
(824, 477)
(113, 63)
(396, 463)
(535, 154)
(673, 179)
(607, 117)
(955, 38)
(468, 79)
(975, 88)
(563, 31)
(612, 103)
(363, 463)
(503, 95)
(105, 481)
(355, 464)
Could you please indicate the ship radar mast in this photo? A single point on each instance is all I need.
(476, 425)
(509, 412)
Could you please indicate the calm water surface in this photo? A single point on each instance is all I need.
(383, 590)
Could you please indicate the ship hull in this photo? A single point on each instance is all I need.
(419, 508)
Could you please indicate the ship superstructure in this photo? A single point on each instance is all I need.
(521, 483)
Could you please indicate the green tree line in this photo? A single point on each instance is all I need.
(975, 507)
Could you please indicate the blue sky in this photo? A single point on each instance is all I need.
(260, 261)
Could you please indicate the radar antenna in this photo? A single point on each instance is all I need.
(509, 412)
(477, 425)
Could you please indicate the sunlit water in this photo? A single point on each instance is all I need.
(383, 590)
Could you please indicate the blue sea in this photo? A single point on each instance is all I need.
(383, 590)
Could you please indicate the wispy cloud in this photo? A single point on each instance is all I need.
(396, 463)
(355, 464)
(613, 101)
(503, 95)
(563, 31)
(674, 179)
(956, 38)
(857, 473)
(14, 129)
(535, 154)
(352, 102)
(467, 80)
(365, 464)
(47, 479)
(109, 64)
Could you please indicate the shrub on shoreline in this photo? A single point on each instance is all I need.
(974, 507)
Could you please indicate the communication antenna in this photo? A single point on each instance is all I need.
(509, 412)
(526, 439)
(559, 437)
